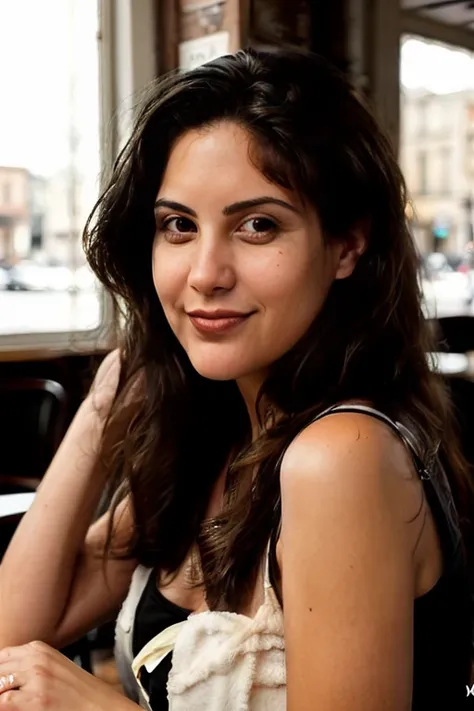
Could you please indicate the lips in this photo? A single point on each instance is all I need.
(218, 321)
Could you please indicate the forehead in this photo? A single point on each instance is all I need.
(215, 161)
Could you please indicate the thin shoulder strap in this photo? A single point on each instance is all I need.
(396, 427)
(400, 430)
(267, 583)
(438, 490)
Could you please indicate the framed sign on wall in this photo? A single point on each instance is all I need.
(197, 51)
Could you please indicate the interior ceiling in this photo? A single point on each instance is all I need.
(453, 12)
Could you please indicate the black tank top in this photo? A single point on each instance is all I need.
(154, 614)
(443, 617)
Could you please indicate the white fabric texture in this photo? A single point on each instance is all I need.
(124, 627)
(223, 661)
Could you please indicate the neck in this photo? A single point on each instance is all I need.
(249, 387)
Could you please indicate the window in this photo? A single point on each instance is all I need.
(437, 123)
(422, 172)
(49, 164)
(445, 171)
(55, 140)
(6, 194)
(423, 110)
(438, 79)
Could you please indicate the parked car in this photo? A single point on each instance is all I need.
(4, 278)
(27, 276)
(446, 291)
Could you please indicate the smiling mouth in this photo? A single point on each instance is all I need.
(217, 321)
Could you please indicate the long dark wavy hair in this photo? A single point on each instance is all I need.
(311, 134)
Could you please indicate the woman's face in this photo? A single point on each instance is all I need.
(239, 264)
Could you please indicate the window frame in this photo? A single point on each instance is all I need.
(127, 64)
(414, 24)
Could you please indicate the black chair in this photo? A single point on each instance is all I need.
(33, 419)
(32, 423)
(462, 394)
(454, 334)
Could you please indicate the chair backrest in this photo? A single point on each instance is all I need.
(455, 333)
(462, 394)
(32, 423)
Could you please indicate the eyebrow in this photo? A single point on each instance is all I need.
(172, 205)
(230, 209)
(255, 202)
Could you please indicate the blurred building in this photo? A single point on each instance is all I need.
(14, 214)
(38, 187)
(41, 219)
(437, 157)
(68, 199)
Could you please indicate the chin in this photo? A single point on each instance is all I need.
(221, 368)
(220, 371)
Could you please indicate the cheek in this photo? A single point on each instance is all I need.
(167, 276)
(286, 282)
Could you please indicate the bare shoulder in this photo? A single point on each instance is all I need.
(355, 456)
(348, 573)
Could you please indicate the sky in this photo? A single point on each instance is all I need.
(435, 67)
(45, 42)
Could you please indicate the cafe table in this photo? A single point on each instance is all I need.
(15, 504)
(454, 364)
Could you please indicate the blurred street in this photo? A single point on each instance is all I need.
(42, 311)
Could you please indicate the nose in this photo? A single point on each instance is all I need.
(212, 268)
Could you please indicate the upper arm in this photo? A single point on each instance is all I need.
(99, 586)
(347, 569)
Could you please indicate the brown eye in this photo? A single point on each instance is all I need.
(179, 224)
(259, 230)
(259, 224)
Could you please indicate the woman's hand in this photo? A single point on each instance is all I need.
(35, 677)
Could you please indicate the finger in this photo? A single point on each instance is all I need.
(13, 653)
(9, 701)
(38, 646)
(17, 662)
(13, 657)
(8, 682)
(8, 653)
(19, 652)
(12, 676)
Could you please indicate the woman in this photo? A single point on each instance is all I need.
(277, 439)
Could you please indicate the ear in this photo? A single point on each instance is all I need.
(351, 247)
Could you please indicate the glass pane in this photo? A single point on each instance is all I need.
(437, 157)
(49, 163)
